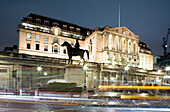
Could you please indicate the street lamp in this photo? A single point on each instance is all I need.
(39, 70)
(85, 68)
(45, 74)
(126, 69)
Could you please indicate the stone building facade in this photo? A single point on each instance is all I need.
(43, 36)
(110, 49)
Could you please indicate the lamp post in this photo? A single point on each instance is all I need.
(85, 68)
(39, 70)
(126, 69)
(45, 74)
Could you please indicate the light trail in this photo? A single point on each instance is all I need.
(133, 87)
(144, 97)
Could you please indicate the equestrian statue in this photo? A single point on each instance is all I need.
(75, 51)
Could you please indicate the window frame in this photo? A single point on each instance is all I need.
(37, 47)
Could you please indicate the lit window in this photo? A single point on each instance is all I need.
(56, 24)
(46, 48)
(55, 39)
(28, 46)
(46, 38)
(29, 19)
(37, 37)
(64, 26)
(37, 47)
(38, 20)
(71, 28)
(78, 29)
(88, 33)
(28, 35)
(46, 22)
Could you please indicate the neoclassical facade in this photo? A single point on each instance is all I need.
(39, 35)
(110, 49)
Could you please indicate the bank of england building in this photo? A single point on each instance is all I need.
(111, 51)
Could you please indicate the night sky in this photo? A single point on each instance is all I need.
(150, 19)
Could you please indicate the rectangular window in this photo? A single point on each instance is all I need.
(71, 28)
(28, 46)
(45, 48)
(88, 32)
(46, 22)
(78, 29)
(29, 19)
(55, 39)
(38, 21)
(46, 38)
(55, 49)
(37, 37)
(37, 47)
(65, 27)
(56, 24)
(28, 35)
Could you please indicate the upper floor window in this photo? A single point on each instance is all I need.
(46, 22)
(71, 28)
(88, 32)
(64, 26)
(37, 37)
(38, 20)
(29, 19)
(55, 39)
(46, 38)
(78, 29)
(56, 24)
(28, 35)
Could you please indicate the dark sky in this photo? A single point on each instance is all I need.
(150, 19)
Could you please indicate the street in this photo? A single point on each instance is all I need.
(58, 104)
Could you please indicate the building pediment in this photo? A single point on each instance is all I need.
(122, 30)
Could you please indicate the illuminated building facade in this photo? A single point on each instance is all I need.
(145, 57)
(110, 49)
(43, 36)
(39, 35)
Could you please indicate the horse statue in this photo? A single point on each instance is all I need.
(74, 52)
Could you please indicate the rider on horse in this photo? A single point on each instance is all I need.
(77, 46)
